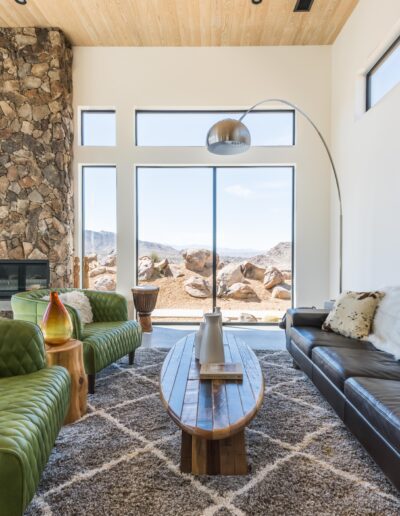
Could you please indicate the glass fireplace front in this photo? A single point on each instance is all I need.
(20, 275)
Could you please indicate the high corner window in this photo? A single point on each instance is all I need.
(384, 75)
(189, 128)
(98, 128)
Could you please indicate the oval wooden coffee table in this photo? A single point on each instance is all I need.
(211, 413)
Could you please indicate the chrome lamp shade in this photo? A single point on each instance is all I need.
(228, 137)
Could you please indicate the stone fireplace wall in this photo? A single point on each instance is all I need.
(36, 133)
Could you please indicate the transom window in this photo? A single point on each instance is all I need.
(189, 128)
(384, 75)
(98, 128)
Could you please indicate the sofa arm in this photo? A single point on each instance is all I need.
(107, 306)
(21, 348)
(306, 317)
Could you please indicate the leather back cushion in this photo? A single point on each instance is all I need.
(21, 348)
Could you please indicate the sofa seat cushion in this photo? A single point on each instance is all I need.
(379, 402)
(105, 342)
(338, 364)
(32, 410)
(307, 338)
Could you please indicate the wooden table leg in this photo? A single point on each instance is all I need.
(70, 356)
(220, 457)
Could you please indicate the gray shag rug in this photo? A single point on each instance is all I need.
(122, 458)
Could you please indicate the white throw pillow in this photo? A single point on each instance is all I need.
(386, 325)
(80, 302)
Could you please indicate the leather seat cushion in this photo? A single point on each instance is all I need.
(106, 342)
(379, 402)
(32, 410)
(307, 338)
(338, 364)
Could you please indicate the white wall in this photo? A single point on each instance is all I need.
(366, 146)
(232, 78)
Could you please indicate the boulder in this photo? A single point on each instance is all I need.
(197, 260)
(197, 287)
(252, 271)
(163, 268)
(97, 271)
(244, 317)
(105, 283)
(176, 271)
(281, 293)
(91, 257)
(240, 291)
(230, 274)
(287, 275)
(272, 277)
(110, 260)
(145, 268)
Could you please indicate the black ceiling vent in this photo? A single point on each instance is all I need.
(303, 6)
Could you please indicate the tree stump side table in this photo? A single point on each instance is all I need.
(70, 356)
(145, 299)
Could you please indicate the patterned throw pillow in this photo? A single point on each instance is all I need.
(353, 314)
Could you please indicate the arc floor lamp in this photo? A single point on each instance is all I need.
(231, 136)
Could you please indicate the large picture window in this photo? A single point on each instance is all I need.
(384, 75)
(189, 128)
(99, 245)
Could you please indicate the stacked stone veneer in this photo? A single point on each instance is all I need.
(36, 132)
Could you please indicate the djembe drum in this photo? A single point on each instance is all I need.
(145, 299)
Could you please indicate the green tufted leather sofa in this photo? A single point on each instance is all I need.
(34, 400)
(110, 337)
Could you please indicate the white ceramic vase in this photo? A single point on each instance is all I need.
(212, 345)
(198, 339)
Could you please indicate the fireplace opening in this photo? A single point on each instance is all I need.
(20, 275)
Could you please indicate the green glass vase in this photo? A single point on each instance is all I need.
(56, 324)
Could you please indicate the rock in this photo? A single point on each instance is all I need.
(4, 212)
(17, 253)
(163, 268)
(287, 275)
(176, 271)
(4, 182)
(97, 271)
(40, 69)
(252, 271)
(22, 40)
(281, 293)
(40, 112)
(91, 257)
(230, 274)
(31, 83)
(35, 196)
(240, 291)
(273, 277)
(7, 109)
(25, 111)
(37, 255)
(197, 260)
(197, 286)
(145, 268)
(244, 317)
(110, 260)
(26, 127)
(27, 248)
(105, 283)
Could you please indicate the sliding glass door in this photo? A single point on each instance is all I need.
(216, 236)
(175, 240)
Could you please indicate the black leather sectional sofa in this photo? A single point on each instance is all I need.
(361, 383)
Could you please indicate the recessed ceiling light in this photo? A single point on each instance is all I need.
(22, 2)
(303, 6)
(256, 1)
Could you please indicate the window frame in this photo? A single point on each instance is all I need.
(82, 125)
(212, 111)
(376, 66)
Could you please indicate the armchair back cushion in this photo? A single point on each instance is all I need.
(21, 348)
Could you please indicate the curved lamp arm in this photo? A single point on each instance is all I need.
(296, 108)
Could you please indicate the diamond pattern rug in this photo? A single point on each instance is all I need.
(122, 458)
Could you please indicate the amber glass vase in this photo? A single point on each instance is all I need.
(56, 324)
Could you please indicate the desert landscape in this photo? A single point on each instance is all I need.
(249, 288)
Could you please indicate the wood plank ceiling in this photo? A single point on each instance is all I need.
(182, 22)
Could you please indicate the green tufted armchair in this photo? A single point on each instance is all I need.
(34, 400)
(110, 337)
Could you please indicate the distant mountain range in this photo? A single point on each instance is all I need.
(103, 243)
